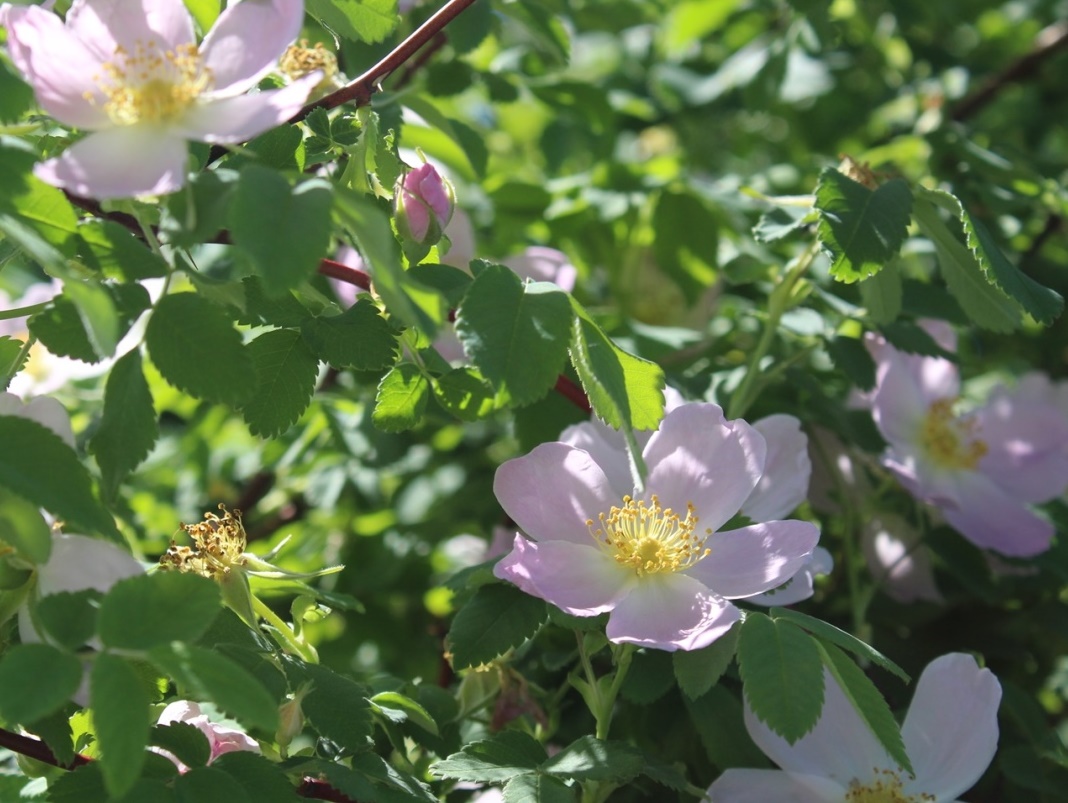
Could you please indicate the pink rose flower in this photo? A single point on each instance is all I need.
(131, 72)
(982, 469)
(221, 739)
(654, 561)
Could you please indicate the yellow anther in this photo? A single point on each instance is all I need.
(950, 441)
(151, 85)
(648, 538)
(886, 788)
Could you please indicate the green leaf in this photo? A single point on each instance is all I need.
(516, 333)
(531, 788)
(780, 666)
(717, 718)
(184, 741)
(281, 148)
(261, 778)
(649, 677)
(782, 221)
(624, 390)
(367, 20)
(205, 12)
(128, 427)
(984, 303)
(590, 759)
(408, 708)
(148, 610)
(867, 701)
(852, 359)
(860, 229)
(196, 348)
(194, 214)
(336, 706)
(16, 96)
(120, 719)
(358, 338)
(12, 359)
(283, 231)
(46, 210)
(401, 400)
(261, 309)
(492, 760)
(687, 241)
(24, 528)
(60, 328)
(56, 732)
(497, 618)
(470, 144)
(464, 393)
(451, 282)
(209, 675)
(209, 785)
(697, 671)
(914, 339)
(35, 680)
(285, 370)
(116, 253)
(69, 617)
(833, 635)
(882, 294)
(37, 465)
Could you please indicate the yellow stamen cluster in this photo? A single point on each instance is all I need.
(218, 546)
(886, 788)
(648, 538)
(951, 442)
(300, 60)
(151, 85)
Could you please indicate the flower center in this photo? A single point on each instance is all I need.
(886, 788)
(219, 546)
(648, 538)
(950, 441)
(151, 85)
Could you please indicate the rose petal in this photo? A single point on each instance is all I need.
(581, 580)
(898, 560)
(104, 25)
(57, 64)
(542, 264)
(699, 457)
(1027, 447)
(802, 585)
(951, 729)
(45, 411)
(765, 786)
(670, 612)
(119, 163)
(899, 402)
(787, 470)
(552, 491)
(246, 40)
(992, 519)
(754, 559)
(225, 120)
(178, 711)
(607, 448)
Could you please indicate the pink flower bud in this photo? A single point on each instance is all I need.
(424, 203)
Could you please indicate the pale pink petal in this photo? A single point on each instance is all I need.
(787, 470)
(607, 448)
(992, 519)
(898, 403)
(751, 560)
(541, 264)
(552, 491)
(898, 561)
(45, 411)
(119, 163)
(105, 25)
(670, 611)
(57, 64)
(179, 711)
(802, 585)
(766, 786)
(225, 120)
(951, 729)
(1027, 447)
(228, 740)
(461, 236)
(840, 747)
(246, 40)
(699, 457)
(581, 580)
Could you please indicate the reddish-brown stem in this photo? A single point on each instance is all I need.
(343, 273)
(572, 392)
(35, 748)
(427, 53)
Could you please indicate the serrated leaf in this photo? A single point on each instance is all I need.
(358, 338)
(24, 528)
(368, 20)
(260, 309)
(59, 327)
(914, 339)
(591, 759)
(115, 252)
(69, 617)
(260, 777)
(531, 788)
(697, 671)
(120, 720)
(194, 214)
(497, 618)
(409, 708)
(128, 427)
(717, 718)
(985, 304)
(40, 467)
(868, 703)
(782, 221)
(149, 610)
(12, 359)
(464, 393)
(515, 333)
(882, 294)
(861, 229)
(184, 741)
(210, 675)
(209, 785)
(281, 148)
(401, 399)
(56, 732)
(35, 680)
(336, 706)
(195, 346)
(649, 677)
(16, 96)
(46, 210)
(687, 241)
(852, 359)
(624, 390)
(829, 633)
(286, 371)
(283, 230)
(781, 668)
(491, 760)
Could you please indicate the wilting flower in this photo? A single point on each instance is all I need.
(655, 560)
(983, 469)
(221, 739)
(132, 73)
(950, 735)
(424, 203)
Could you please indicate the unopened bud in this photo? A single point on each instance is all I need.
(291, 717)
(423, 202)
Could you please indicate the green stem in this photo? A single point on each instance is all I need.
(21, 312)
(638, 471)
(286, 638)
